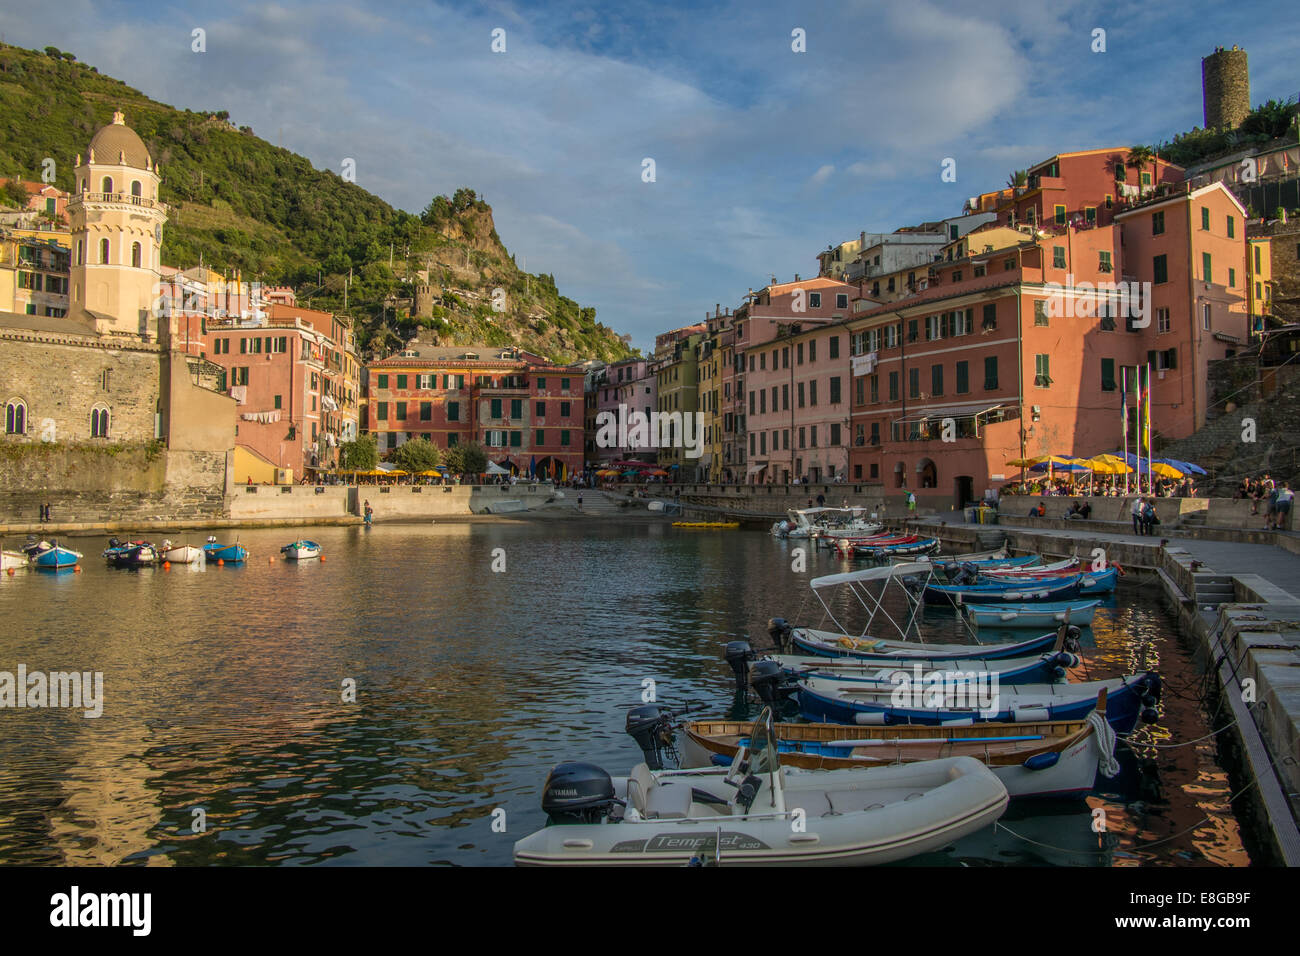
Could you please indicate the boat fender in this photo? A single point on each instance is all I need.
(1058, 673)
(1064, 659)
(872, 719)
(1024, 715)
(1151, 681)
(1119, 569)
(721, 760)
(1149, 715)
(1042, 761)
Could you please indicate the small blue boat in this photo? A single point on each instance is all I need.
(1090, 582)
(50, 557)
(921, 546)
(828, 644)
(1015, 591)
(1128, 698)
(1037, 616)
(132, 554)
(229, 553)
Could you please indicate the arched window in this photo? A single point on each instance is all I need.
(99, 422)
(15, 417)
(81, 251)
(135, 188)
(107, 184)
(82, 187)
(103, 251)
(135, 254)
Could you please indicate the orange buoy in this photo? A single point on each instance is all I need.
(221, 562)
(76, 568)
(11, 572)
(322, 559)
(270, 560)
(167, 565)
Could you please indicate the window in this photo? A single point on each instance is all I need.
(956, 275)
(963, 378)
(564, 384)
(277, 402)
(1232, 278)
(540, 437)
(936, 379)
(16, 417)
(1162, 321)
(401, 411)
(875, 433)
(99, 422)
(1060, 215)
(103, 252)
(1205, 316)
(812, 350)
(991, 316)
(835, 346)
(1121, 173)
(1108, 375)
(1157, 223)
(135, 255)
(1159, 270)
(106, 184)
(814, 300)
(517, 408)
(401, 381)
(1166, 359)
(991, 373)
(798, 396)
(1040, 312)
(812, 392)
(453, 411)
(381, 414)
(382, 383)
(914, 382)
(1058, 257)
(541, 384)
(875, 389)
(516, 439)
(1042, 370)
(1090, 215)
(785, 397)
(1103, 262)
(1232, 228)
(841, 301)
(1207, 270)
(812, 436)
(835, 390)
(980, 271)
(835, 435)
(426, 411)
(1257, 256)
(453, 440)
(1205, 218)
(932, 328)
(496, 408)
(239, 375)
(893, 386)
(913, 330)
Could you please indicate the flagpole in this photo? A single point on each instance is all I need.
(1123, 417)
(1151, 478)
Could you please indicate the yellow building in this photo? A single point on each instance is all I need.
(1259, 287)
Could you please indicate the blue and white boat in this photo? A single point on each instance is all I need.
(903, 549)
(50, 557)
(832, 644)
(131, 554)
(229, 553)
(843, 702)
(301, 550)
(1090, 582)
(1010, 591)
(1036, 616)
(1043, 668)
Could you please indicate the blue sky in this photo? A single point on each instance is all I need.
(763, 156)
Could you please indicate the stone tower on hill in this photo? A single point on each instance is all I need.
(1225, 86)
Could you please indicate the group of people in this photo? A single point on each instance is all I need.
(1103, 486)
(1274, 496)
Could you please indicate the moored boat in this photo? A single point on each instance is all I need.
(1037, 615)
(227, 553)
(1009, 590)
(1048, 666)
(181, 553)
(130, 554)
(50, 557)
(1036, 759)
(824, 699)
(301, 550)
(12, 560)
(808, 640)
(744, 813)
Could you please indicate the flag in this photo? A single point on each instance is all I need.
(1147, 436)
(1123, 405)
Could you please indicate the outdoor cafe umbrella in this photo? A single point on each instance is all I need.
(1186, 467)
(1109, 465)
(1159, 468)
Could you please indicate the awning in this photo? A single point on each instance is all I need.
(950, 411)
(755, 469)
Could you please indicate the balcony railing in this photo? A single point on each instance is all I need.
(124, 198)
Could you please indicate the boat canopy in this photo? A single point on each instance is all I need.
(872, 574)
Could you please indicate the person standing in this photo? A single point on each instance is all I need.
(369, 512)
(1136, 511)
(1284, 497)
(911, 503)
(1270, 515)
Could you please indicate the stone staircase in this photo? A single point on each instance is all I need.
(1213, 589)
(598, 503)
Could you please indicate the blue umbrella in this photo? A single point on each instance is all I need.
(1042, 466)
(532, 467)
(1184, 466)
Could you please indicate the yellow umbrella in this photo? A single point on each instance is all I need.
(1108, 465)
(1165, 471)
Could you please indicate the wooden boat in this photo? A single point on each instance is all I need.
(1011, 591)
(228, 553)
(1057, 758)
(1045, 667)
(824, 699)
(746, 813)
(181, 553)
(130, 554)
(917, 545)
(819, 643)
(1038, 616)
(301, 550)
(817, 522)
(1069, 565)
(50, 557)
(1090, 582)
(12, 560)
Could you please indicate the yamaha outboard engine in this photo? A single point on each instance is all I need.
(577, 793)
(651, 726)
(738, 654)
(773, 685)
(1072, 642)
(780, 630)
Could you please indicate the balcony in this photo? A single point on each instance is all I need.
(124, 199)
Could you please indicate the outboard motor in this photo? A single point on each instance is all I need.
(577, 793)
(912, 583)
(780, 630)
(651, 726)
(114, 543)
(1072, 643)
(773, 685)
(738, 654)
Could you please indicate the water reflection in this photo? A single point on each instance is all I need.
(224, 692)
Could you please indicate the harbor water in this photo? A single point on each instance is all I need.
(401, 702)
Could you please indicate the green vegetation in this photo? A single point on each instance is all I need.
(470, 458)
(1265, 123)
(416, 456)
(240, 203)
(359, 455)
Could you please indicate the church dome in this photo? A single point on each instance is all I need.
(118, 143)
